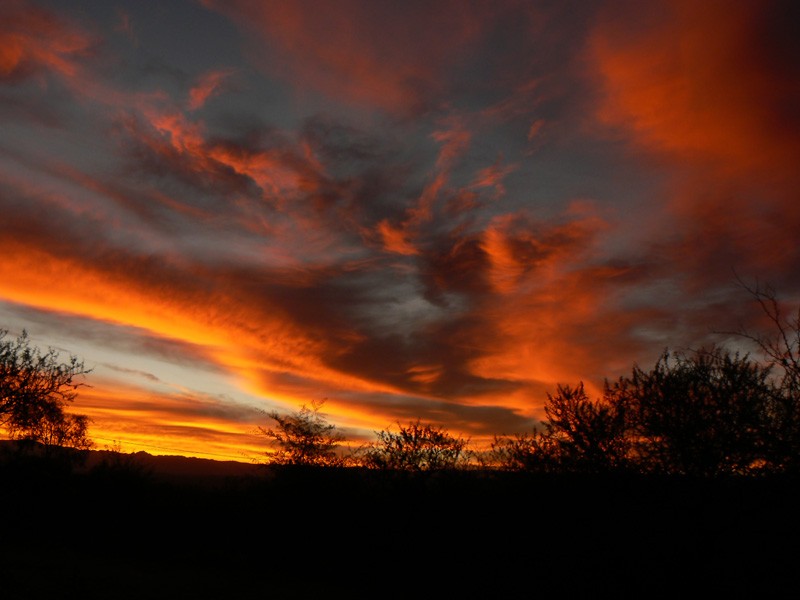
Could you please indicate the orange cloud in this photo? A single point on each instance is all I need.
(277, 187)
(708, 87)
(395, 239)
(248, 335)
(424, 373)
(208, 85)
(549, 311)
(454, 138)
(492, 177)
(32, 39)
(175, 138)
(515, 249)
(702, 81)
(530, 304)
(36, 43)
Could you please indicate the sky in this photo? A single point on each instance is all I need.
(404, 210)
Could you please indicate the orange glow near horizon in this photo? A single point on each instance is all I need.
(138, 420)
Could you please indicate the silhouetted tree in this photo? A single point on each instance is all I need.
(585, 435)
(303, 438)
(781, 348)
(417, 447)
(35, 389)
(578, 435)
(530, 452)
(701, 413)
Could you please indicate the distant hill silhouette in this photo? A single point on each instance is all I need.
(182, 467)
(321, 532)
(163, 467)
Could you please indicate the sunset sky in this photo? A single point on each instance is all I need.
(418, 209)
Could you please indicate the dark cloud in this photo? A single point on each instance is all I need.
(380, 53)
(167, 154)
(15, 107)
(459, 267)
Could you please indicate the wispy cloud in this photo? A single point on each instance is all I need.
(208, 85)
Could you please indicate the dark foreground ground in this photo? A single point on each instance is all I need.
(350, 534)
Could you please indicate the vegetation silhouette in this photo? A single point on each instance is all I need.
(35, 390)
(303, 438)
(683, 471)
(781, 348)
(710, 412)
(118, 467)
(578, 435)
(702, 414)
(417, 447)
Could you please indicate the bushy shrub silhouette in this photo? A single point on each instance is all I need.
(701, 413)
(417, 447)
(35, 390)
(578, 435)
(779, 343)
(303, 438)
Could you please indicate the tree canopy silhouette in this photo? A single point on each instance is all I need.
(577, 435)
(35, 389)
(303, 438)
(780, 345)
(417, 447)
(703, 413)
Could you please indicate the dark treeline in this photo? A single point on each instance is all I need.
(682, 479)
(298, 531)
(707, 413)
